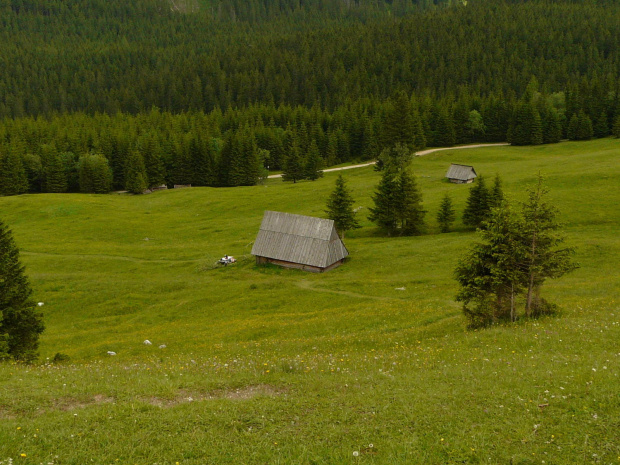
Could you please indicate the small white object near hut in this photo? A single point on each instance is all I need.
(461, 174)
(111, 353)
(296, 241)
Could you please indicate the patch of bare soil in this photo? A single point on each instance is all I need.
(244, 393)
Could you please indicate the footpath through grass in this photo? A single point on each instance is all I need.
(264, 365)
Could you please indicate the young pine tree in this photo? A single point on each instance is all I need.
(496, 195)
(542, 241)
(446, 214)
(478, 204)
(20, 324)
(616, 129)
(340, 208)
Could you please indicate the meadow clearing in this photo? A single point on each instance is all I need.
(368, 363)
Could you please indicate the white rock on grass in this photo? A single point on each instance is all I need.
(163, 346)
(111, 353)
(40, 304)
(147, 342)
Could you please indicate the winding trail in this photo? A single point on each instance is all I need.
(109, 257)
(307, 285)
(417, 154)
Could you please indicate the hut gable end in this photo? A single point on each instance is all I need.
(298, 241)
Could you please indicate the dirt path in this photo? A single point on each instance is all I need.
(107, 257)
(303, 284)
(417, 154)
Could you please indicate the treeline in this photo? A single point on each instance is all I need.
(239, 146)
(112, 56)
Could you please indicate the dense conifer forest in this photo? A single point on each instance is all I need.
(98, 95)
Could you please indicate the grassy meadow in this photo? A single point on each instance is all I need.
(369, 363)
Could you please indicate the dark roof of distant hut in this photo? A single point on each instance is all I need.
(299, 239)
(461, 172)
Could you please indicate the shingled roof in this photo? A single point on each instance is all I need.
(299, 239)
(461, 172)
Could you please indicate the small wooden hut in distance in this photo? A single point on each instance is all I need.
(297, 241)
(461, 174)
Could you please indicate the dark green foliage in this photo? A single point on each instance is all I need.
(340, 208)
(552, 126)
(446, 214)
(518, 252)
(55, 174)
(410, 213)
(385, 212)
(135, 174)
(396, 158)
(478, 204)
(20, 323)
(34, 171)
(616, 128)
(491, 275)
(573, 128)
(541, 239)
(526, 127)
(293, 166)
(398, 126)
(601, 125)
(95, 174)
(584, 127)
(13, 179)
(398, 204)
(314, 163)
(496, 195)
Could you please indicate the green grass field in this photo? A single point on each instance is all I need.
(265, 365)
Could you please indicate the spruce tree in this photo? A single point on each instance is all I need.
(536, 137)
(13, 179)
(573, 127)
(135, 174)
(340, 208)
(293, 168)
(314, 163)
(385, 212)
(496, 195)
(446, 214)
(55, 174)
(491, 275)
(552, 126)
(398, 123)
(95, 175)
(20, 324)
(410, 212)
(616, 128)
(542, 241)
(478, 204)
(601, 125)
(584, 127)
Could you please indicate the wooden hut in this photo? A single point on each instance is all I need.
(297, 241)
(461, 174)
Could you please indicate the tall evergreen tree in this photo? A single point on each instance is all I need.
(478, 204)
(540, 237)
(293, 167)
(491, 275)
(584, 127)
(340, 208)
(13, 180)
(55, 174)
(616, 128)
(95, 174)
(20, 323)
(410, 212)
(385, 212)
(398, 123)
(446, 214)
(496, 195)
(135, 174)
(573, 127)
(313, 168)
